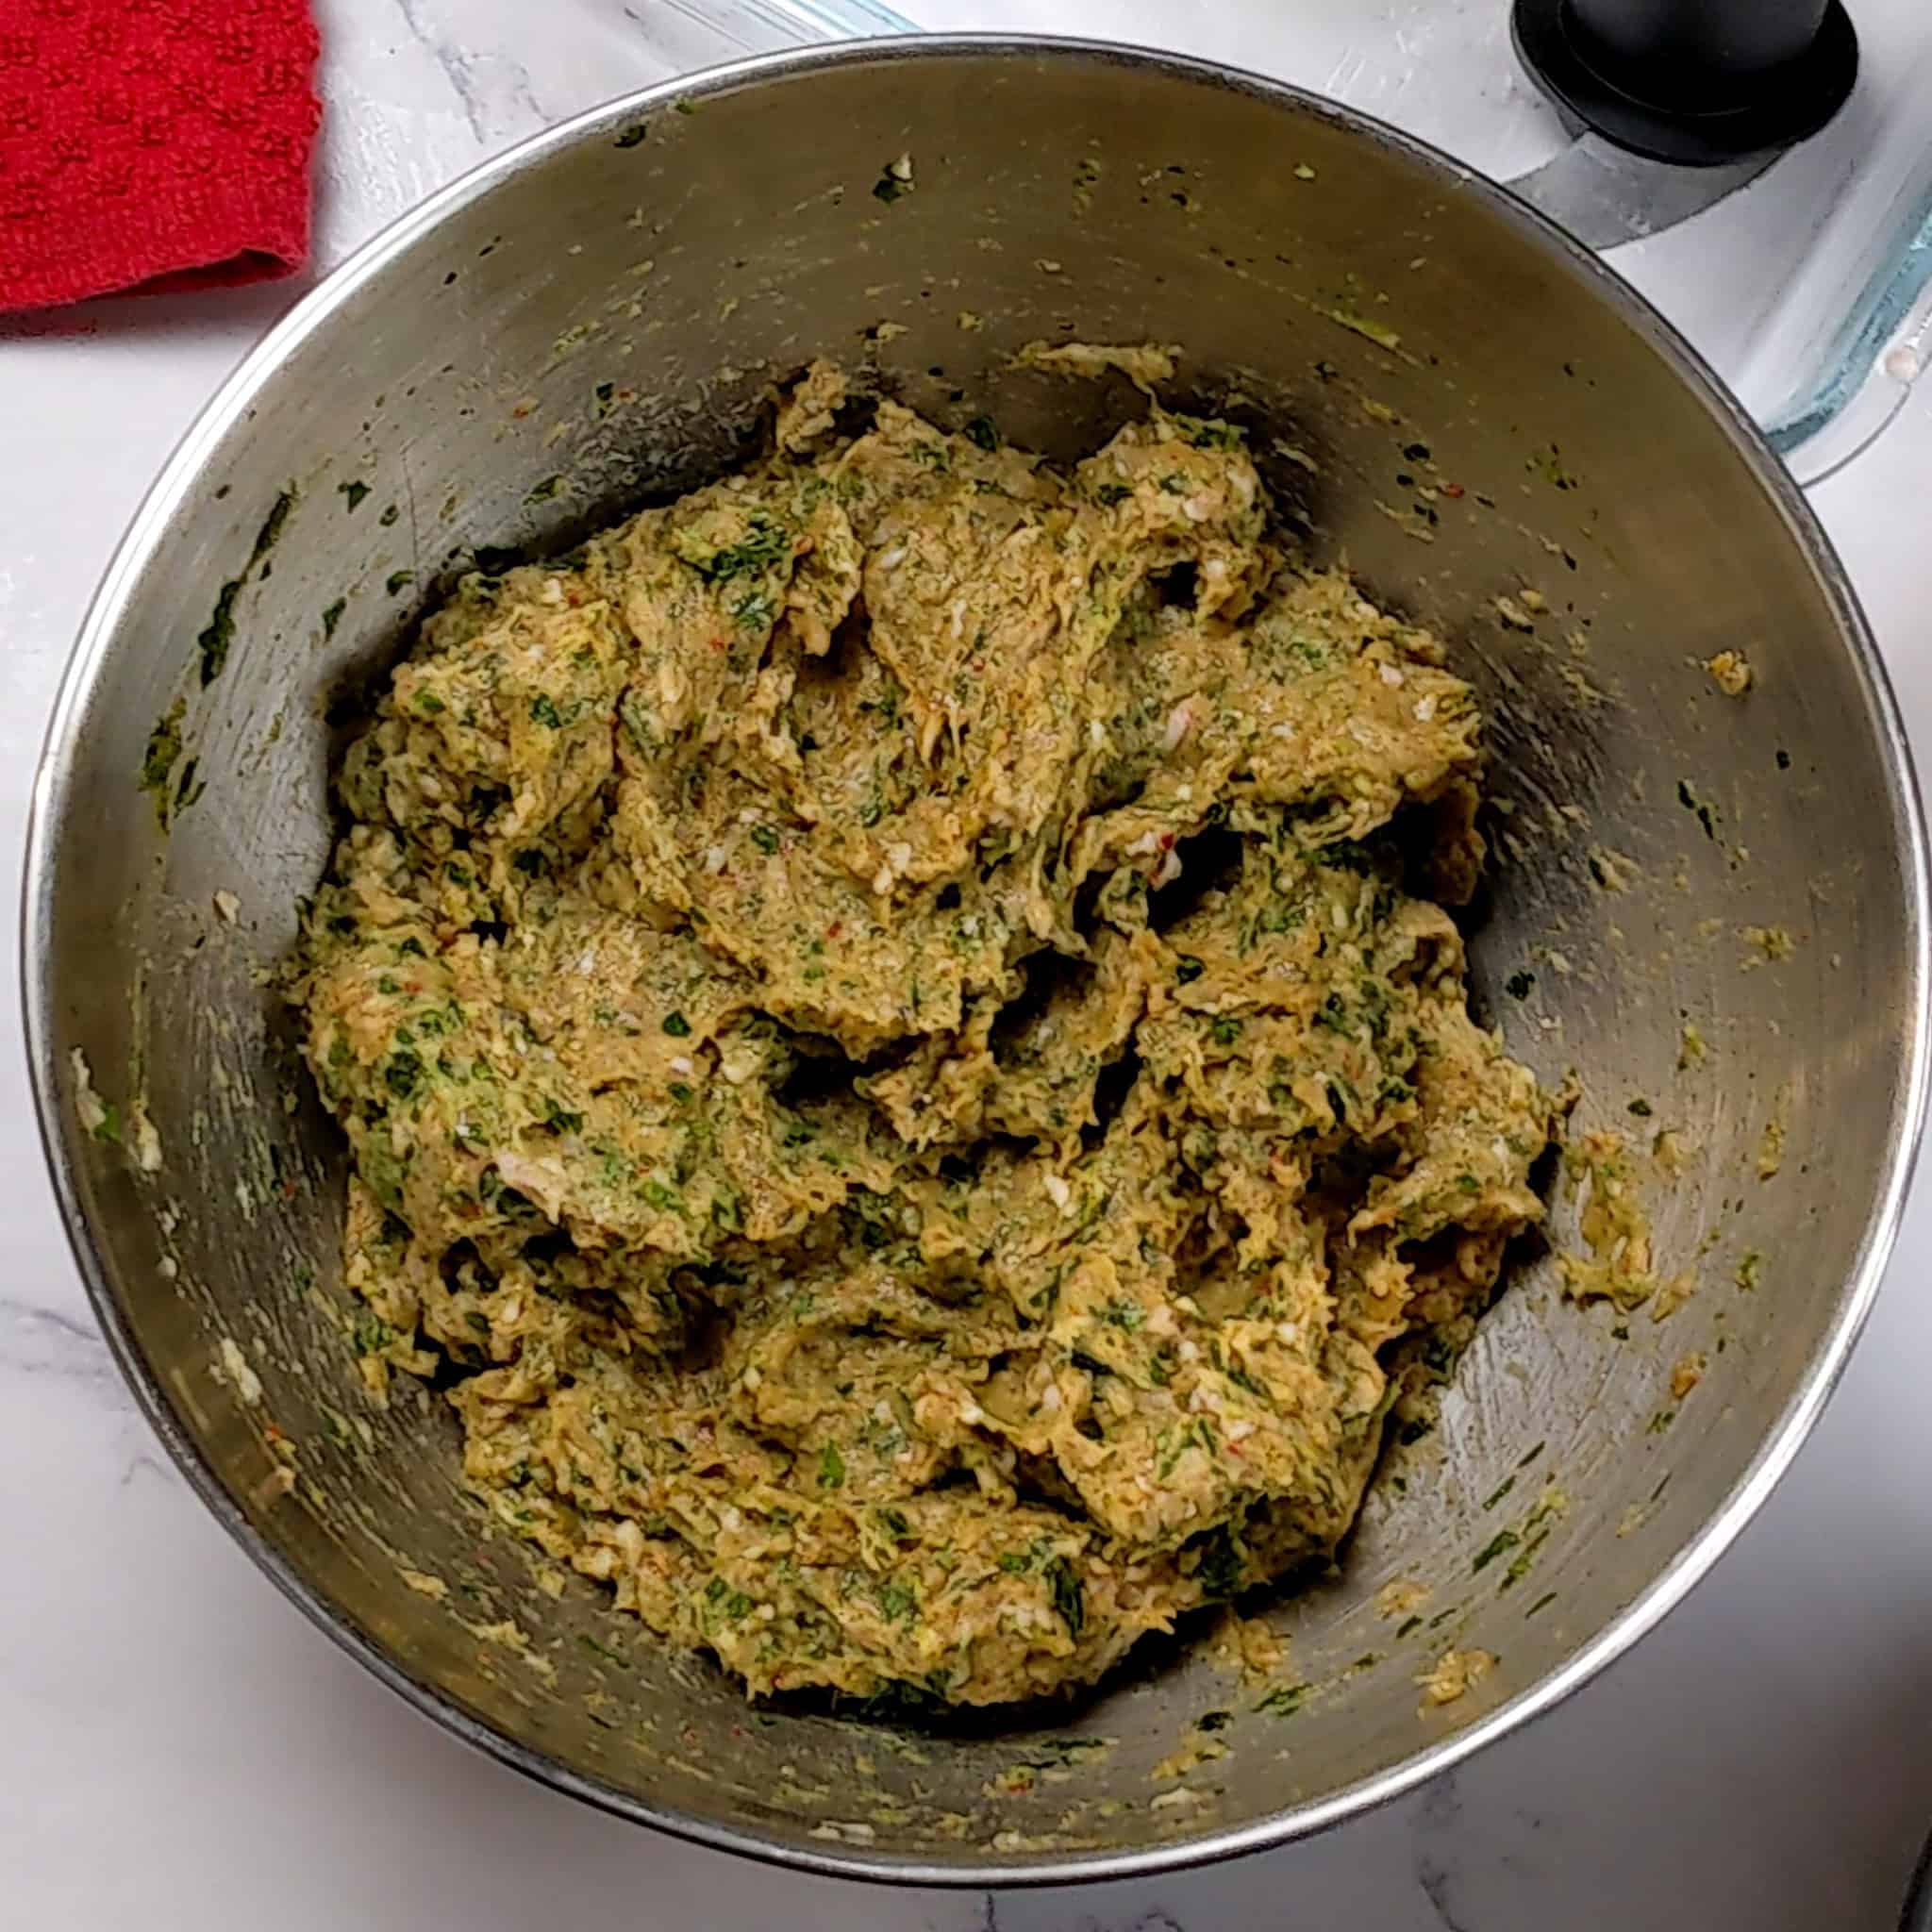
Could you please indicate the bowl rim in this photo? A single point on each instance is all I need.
(48, 810)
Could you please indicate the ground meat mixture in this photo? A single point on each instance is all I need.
(901, 1051)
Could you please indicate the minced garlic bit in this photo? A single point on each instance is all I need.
(1687, 1372)
(1454, 1674)
(1730, 670)
(236, 1370)
(1401, 1597)
(144, 1137)
(1618, 1265)
(1771, 944)
(1143, 363)
(92, 1112)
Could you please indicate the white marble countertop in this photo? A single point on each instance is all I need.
(178, 1748)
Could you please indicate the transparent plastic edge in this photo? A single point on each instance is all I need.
(721, 29)
(830, 19)
(1879, 355)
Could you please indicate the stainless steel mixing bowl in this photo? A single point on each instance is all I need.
(1499, 437)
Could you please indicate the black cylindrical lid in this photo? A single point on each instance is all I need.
(1711, 45)
(1699, 81)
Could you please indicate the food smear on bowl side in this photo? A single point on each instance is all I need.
(903, 1058)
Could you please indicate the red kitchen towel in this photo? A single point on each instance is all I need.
(152, 143)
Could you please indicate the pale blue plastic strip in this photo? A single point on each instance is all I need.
(760, 26)
(1881, 352)
(841, 18)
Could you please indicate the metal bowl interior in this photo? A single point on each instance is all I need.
(1499, 440)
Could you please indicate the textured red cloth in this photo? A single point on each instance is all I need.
(153, 143)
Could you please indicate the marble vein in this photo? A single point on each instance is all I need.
(42, 1341)
(1438, 1822)
(494, 93)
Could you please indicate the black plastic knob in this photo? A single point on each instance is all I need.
(1697, 81)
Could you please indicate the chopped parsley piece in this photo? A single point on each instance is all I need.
(1284, 1700)
(768, 546)
(1503, 1541)
(1068, 1594)
(403, 1074)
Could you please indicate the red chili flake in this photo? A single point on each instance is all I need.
(1167, 841)
(718, 644)
(835, 929)
(1452, 489)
